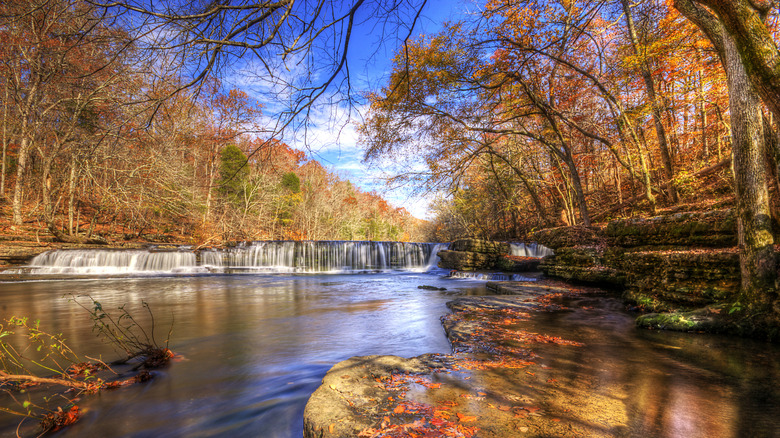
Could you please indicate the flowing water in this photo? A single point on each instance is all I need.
(253, 347)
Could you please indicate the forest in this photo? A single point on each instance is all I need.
(595, 168)
(527, 115)
(536, 114)
(100, 136)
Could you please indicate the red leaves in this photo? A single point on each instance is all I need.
(55, 421)
(428, 421)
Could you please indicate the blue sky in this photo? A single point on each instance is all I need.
(338, 149)
(333, 138)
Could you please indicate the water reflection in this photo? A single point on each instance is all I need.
(667, 384)
(256, 347)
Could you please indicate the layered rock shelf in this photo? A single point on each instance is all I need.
(673, 262)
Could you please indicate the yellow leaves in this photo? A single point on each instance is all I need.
(466, 418)
(442, 414)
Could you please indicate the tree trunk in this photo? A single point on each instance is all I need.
(757, 261)
(21, 166)
(5, 143)
(71, 193)
(754, 223)
(582, 203)
(660, 130)
(48, 206)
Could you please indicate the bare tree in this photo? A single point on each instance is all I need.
(295, 53)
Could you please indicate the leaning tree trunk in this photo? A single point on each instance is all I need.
(756, 243)
(660, 130)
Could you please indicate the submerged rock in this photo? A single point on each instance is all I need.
(491, 387)
(426, 287)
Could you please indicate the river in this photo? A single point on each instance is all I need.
(251, 348)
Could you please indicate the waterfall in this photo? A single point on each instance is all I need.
(490, 276)
(268, 256)
(530, 250)
(85, 261)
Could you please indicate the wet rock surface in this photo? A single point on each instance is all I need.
(491, 386)
(675, 262)
(477, 255)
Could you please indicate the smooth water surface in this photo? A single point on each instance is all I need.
(255, 347)
(666, 384)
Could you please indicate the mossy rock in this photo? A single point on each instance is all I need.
(466, 260)
(562, 237)
(650, 303)
(708, 319)
(709, 229)
(517, 264)
(480, 246)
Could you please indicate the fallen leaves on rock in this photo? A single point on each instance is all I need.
(493, 339)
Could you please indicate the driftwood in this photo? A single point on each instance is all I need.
(71, 383)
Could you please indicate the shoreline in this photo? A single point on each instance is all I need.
(450, 395)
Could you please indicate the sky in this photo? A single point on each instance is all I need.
(333, 139)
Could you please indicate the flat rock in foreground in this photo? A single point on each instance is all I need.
(492, 386)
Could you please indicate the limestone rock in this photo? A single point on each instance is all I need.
(708, 229)
(561, 237)
(480, 246)
(592, 265)
(466, 260)
(349, 400)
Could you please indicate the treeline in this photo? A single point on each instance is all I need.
(98, 134)
(543, 113)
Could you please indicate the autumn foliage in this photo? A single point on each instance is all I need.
(537, 114)
(101, 138)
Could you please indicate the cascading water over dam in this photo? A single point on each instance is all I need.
(530, 250)
(271, 256)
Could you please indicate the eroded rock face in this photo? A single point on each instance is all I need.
(476, 255)
(715, 229)
(671, 262)
(564, 237)
(466, 260)
(692, 277)
(480, 246)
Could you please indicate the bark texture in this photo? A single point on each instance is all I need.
(757, 258)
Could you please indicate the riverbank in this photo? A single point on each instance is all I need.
(548, 359)
(493, 385)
